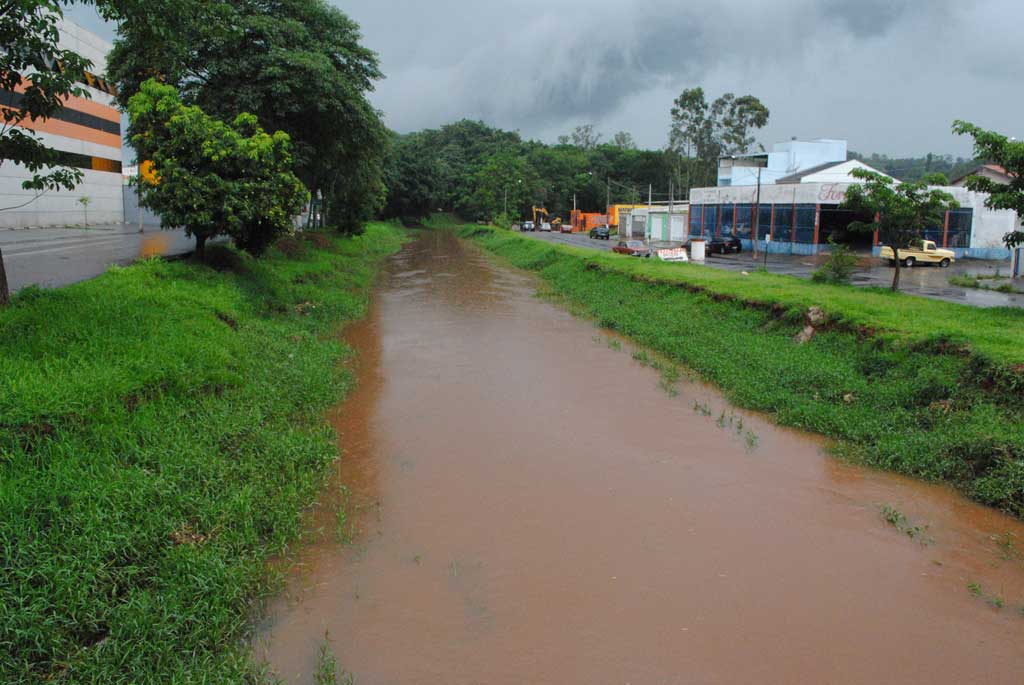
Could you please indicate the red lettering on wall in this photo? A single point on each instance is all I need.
(832, 193)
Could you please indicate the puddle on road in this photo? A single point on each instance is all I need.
(533, 507)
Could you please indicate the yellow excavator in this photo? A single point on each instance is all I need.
(540, 217)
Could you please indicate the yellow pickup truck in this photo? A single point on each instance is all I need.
(921, 252)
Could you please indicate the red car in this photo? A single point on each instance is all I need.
(634, 248)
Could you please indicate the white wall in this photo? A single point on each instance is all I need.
(59, 208)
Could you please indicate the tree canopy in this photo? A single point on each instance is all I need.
(901, 211)
(1008, 153)
(467, 167)
(704, 132)
(297, 65)
(214, 178)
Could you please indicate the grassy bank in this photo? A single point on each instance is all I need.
(161, 428)
(922, 387)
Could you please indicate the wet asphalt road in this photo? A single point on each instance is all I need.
(52, 257)
(926, 281)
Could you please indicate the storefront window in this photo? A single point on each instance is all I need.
(710, 220)
(804, 232)
(742, 220)
(783, 223)
(696, 212)
(961, 222)
(725, 226)
(764, 221)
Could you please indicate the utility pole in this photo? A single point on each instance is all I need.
(650, 207)
(608, 201)
(757, 212)
(138, 197)
(506, 202)
(670, 207)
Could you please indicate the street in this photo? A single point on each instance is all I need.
(926, 281)
(52, 257)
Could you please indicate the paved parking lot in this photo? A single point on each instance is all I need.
(926, 281)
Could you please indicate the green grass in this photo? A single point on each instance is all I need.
(161, 429)
(917, 386)
(978, 282)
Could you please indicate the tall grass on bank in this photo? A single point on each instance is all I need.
(884, 379)
(161, 428)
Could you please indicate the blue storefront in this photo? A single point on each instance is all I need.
(803, 227)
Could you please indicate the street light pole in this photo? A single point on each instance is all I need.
(757, 213)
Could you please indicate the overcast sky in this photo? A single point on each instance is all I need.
(887, 75)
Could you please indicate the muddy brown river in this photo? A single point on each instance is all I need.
(528, 504)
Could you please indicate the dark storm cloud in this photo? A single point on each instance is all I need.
(889, 75)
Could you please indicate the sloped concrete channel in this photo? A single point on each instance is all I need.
(528, 505)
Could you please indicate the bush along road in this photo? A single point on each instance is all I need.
(161, 429)
(926, 388)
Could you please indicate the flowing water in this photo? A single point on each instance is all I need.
(528, 504)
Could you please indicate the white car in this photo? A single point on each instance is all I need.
(545, 227)
(528, 226)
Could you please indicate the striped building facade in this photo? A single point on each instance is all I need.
(87, 134)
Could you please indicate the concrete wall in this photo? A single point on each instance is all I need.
(21, 208)
(131, 208)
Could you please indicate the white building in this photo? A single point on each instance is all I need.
(87, 133)
(660, 222)
(798, 213)
(784, 159)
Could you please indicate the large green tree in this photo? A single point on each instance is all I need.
(705, 132)
(1008, 153)
(43, 75)
(901, 211)
(298, 65)
(214, 178)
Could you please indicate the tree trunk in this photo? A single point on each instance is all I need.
(200, 246)
(5, 293)
(896, 275)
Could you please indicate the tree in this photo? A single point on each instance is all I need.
(298, 65)
(624, 140)
(706, 132)
(84, 201)
(585, 137)
(28, 34)
(497, 174)
(213, 178)
(901, 211)
(1008, 153)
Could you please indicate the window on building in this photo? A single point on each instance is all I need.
(743, 220)
(783, 231)
(696, 212)
(725, 225)
(764, 221)
(804, 229)
(710, 220)
(961, 223)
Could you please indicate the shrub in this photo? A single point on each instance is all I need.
(839, 266)
(214, 178)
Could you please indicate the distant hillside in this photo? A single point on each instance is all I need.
(913, 168)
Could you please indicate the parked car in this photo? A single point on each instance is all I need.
(634, 248)
(723, 244)
(528, 226)
(600, 233)
(923, 251)
(545, 227)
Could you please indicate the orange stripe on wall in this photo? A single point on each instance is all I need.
(83, 105)
(63, 128)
